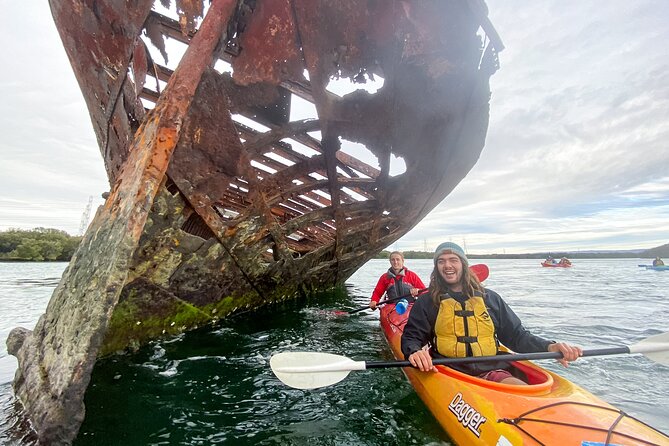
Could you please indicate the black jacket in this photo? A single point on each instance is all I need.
(419, 331)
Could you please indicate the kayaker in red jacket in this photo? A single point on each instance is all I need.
(397, 281)
(461, 318)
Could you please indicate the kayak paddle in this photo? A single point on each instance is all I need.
(481, 270)
(311, 370)
(388, 301)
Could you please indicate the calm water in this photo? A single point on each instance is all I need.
(215, 387)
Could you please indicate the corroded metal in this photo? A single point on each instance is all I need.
(56, 359)
(220, 202)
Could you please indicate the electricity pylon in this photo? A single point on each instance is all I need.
(85, 217)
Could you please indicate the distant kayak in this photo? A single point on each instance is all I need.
(658, 268)
(556, 265)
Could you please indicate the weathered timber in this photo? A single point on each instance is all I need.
(221, 202)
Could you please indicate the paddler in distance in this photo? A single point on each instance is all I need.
(461, 318)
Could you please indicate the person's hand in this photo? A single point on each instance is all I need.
(414, 291)
(569, 352)
(422, 361)
(372, 304)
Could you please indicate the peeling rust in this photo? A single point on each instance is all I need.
(269, 48)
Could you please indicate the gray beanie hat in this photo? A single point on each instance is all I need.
(450, 246)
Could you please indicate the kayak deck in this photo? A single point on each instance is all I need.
(658, 267)
(550, 410)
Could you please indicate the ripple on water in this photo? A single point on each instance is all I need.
(14, 429)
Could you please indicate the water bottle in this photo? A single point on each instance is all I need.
(401, 306)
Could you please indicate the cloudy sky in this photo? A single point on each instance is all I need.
(577, 153)
(576, 156)
(49, 160)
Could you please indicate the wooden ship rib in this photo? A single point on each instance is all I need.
(220, 202)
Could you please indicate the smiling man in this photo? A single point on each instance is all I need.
(396, 282)
(461, 318)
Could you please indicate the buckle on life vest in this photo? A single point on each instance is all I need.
(464, 313)
(467, 339)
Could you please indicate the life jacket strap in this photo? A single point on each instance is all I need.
(464, 313)
(467, 339)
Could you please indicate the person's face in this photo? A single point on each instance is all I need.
(396, 262)
(450, 268)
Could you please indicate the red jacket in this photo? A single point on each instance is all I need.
(403, 281)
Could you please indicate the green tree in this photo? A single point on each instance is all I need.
(50, 249)
(29, 249)
(9, 240)
(69, 247)
(37, 244)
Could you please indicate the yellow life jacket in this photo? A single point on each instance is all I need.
(464, 324)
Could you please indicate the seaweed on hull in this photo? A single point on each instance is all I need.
(220, 202)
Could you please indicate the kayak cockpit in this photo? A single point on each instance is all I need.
(539, 380)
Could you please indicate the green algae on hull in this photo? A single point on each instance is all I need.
(138, 318)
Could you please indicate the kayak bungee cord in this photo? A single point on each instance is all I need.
(610, 431)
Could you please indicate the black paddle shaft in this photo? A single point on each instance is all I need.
(502, 358)
(387, 301)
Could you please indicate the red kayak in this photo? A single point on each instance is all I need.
(556, 265)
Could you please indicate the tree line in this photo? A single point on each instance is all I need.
(38, 245)
(660, 251)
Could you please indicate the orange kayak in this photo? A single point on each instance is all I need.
(550, 411)
(555, 265)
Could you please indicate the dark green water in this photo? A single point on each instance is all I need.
(215, 387)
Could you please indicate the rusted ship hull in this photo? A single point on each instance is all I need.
(208, 214)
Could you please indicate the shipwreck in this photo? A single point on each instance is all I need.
(219, 202)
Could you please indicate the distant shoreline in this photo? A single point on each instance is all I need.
(533, 256)
(662, 252)
(429, 256)
(557, 256)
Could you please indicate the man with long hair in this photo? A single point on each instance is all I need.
(461, 318)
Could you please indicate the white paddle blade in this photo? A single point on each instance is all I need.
(311, 370)
(654, 347)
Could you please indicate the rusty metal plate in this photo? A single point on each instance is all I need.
(208, 152)
(269, 49)
(335, 35)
